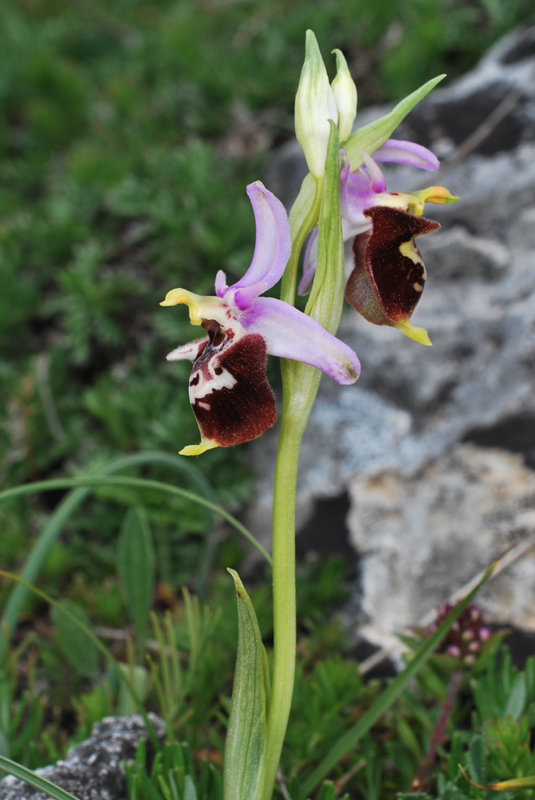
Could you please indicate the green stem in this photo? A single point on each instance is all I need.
(300, 387)
(296, 411)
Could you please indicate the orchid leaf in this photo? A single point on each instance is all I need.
(302, 205)
(246, 735)
(303, 219)
(372, 136)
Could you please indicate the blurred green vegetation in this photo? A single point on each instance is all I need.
(128, 132)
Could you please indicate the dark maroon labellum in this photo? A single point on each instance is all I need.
(229, 393)
(392, 261)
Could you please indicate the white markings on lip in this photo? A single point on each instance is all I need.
(210, 382)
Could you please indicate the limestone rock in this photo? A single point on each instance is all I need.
(422, 535)
(93, 770)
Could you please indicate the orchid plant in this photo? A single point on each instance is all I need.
(343, 197)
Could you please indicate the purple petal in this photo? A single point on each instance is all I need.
(356, 194)
(272, 249)
(397, 151)
(220, 283)
(291, 334)
(377, 179)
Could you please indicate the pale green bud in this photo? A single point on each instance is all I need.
(345, 97)
(314, 107)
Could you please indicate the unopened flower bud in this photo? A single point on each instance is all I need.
(345, 97)
(314, 107)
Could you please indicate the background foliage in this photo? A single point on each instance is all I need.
(128, 132)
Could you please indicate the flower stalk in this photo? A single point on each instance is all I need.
(300, 387)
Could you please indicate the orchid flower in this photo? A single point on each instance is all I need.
(228, 390)
(389, 274)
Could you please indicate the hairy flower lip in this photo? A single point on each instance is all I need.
(389, 275)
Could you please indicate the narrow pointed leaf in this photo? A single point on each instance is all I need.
(517, 698)
(327, 791)
(477, 758)
(246, 735)
(372, 136)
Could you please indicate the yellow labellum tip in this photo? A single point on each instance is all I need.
(198, 449)
(416, 334)
(196, 303)
(436, 194)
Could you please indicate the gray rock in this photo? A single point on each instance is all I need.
(94, 769)
(413, 406)
(460, 511)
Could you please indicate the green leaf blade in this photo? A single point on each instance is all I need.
(246, 735)
(372, 136)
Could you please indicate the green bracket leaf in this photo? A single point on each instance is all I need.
(372, 136)
(246, 735)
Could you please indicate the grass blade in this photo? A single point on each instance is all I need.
(32, 779)
(82, 488)
(74, 499)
